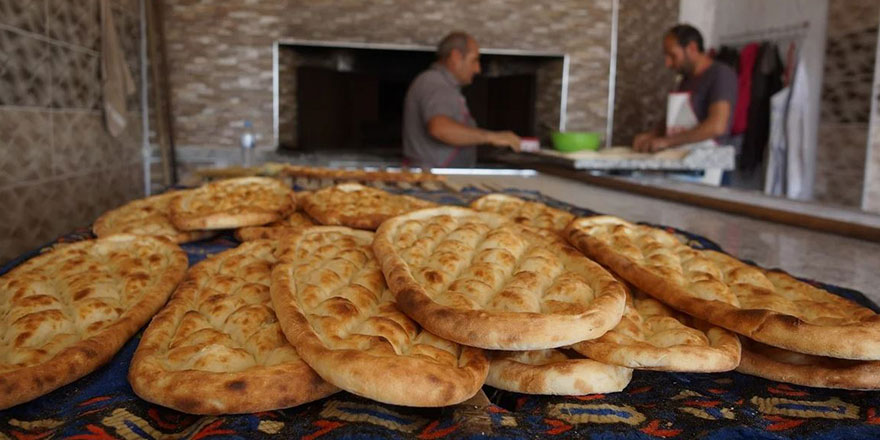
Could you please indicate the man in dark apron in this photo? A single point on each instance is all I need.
(700, 110)
(438, 130)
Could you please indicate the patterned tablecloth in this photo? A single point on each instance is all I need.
(655, 405)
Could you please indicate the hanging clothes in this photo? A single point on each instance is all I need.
(766, 81)
(728, 55)
(800, 140)
(747, 59)
(775, 181)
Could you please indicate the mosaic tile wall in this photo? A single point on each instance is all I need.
(846, 101)
(60, 169)
(642, 79)
(220, 52)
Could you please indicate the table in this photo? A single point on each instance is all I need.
(655, 405)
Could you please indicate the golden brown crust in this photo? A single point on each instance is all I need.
(534, 214)
(651, 336)
(275, 230)
(217, 347)
(358, 206)
(148, 216)
(802, 369)
(554, 372)
(768, 306)
(233, 203)
(68, 311)
(478, 279)
(334, 306)
(359, 175)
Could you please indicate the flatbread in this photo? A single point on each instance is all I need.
(358, 206)
(802, 369)
(555, 372)
(148, 216)
(360, 175)
(768, 306)
(66, 312)
(233, 203)
(217, 347)
(335, 307)
(480, 280)
(534, 214)
(275, 230)
(651, 336)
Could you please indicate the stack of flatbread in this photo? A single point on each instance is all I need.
(437, 302)
(793, 331)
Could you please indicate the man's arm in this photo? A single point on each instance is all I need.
(449, 131)
(713, 126)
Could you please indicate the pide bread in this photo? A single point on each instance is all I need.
(555, 372)
(537, 215)
(652, 336)
(68, 311)
(217, 347)
(233, 203)
(275, 230)
(803, 369)
(358, 206)
(148, 216)
(768, 306)
(334, 306)
(480, 280)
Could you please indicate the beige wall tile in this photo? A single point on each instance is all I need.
(28, 15)
(27, 152)
(24, 70)
(75, 22)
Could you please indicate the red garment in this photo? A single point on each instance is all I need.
(747, 58)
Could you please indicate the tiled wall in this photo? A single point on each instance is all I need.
(642, 79)
(220, 52)
(846, 101)
(59, 169)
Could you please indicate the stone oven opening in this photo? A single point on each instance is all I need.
(349, 97)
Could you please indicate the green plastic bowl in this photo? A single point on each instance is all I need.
(571, 141)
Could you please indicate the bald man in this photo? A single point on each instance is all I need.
(438, 130)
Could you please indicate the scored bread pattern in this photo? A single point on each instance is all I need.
(479, 262)
(653, 336)
(358, 206)
(230, 325)
(769, 306)
(346, 324)
(661, 253)
(68, 295)
(525, 212)
(558, 372)
(147, 216)
(220, 327)
(67, 311)
(246, 201)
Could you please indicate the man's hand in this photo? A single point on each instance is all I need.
(642, 141)
(650, 143)
(503, 139)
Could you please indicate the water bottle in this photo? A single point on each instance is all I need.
(247, 145)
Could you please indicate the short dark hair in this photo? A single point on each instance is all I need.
(455, 40)
(685, 34)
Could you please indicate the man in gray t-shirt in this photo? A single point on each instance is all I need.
(438, 130)
(712, 86)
